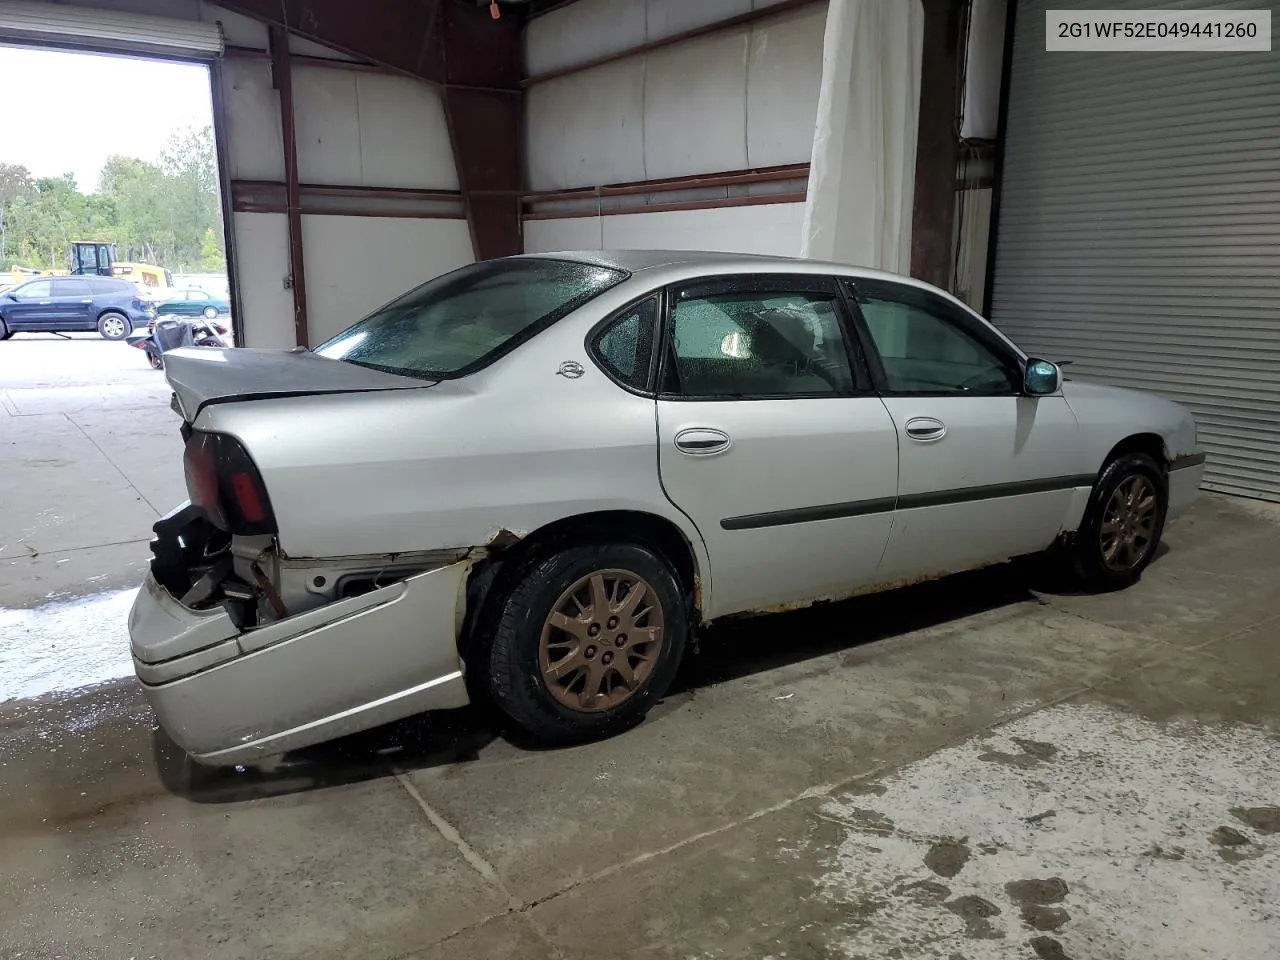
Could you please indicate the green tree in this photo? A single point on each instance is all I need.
(212, 259)
(166, 213)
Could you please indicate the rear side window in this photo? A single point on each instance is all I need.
(105, 286)
(625, 347)
(70, 287)
(464, 320)
(757, 344)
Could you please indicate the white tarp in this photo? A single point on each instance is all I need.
(862, 172)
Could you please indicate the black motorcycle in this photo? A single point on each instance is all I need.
(170, 333)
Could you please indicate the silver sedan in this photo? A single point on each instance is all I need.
(536, 477)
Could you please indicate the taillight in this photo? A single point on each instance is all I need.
(223, 481)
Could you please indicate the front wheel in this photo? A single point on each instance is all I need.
(114, 326)
(1123, 523)
(588, 641)
(156, 361)
(5, 332)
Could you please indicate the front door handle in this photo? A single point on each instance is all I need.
(702, 441)
(926, 429)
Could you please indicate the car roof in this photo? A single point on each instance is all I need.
(636, 261)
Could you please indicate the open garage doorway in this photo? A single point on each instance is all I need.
(110, 217)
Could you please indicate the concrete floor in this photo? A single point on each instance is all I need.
(976, 768)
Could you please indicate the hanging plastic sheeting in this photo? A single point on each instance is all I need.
(862, 173)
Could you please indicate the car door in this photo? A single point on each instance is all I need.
(771, 441)
(30, 306)
(985, 472)
(72, 304)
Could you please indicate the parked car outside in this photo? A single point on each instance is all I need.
(69, 304)
(194, 303)
(535, 477)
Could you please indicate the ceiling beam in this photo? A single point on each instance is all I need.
(458, 46)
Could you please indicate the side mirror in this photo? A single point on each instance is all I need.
(1041, 378)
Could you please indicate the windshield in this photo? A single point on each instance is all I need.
(465, 319)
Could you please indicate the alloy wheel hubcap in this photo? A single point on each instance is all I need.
(601, 641)
(1128, 524)
(113, 327)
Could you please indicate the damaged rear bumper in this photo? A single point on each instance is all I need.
(227, 695)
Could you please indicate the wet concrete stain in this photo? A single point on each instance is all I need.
(1263, 819)
(1039, 917)
(1034, 753)
(947, 857)
(1233, 846)
(1037, 892)
(65, 645)
(1040, 817)
(1172, 853)
(976, 913)
(924, 891)
(1047, 948)
(871, 821)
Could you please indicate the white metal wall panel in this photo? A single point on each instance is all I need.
(695, 106)
(1139, 230)
(745, 97)
(587, 128)
(589, 29)
(355, 264)
(366, 129)
(772, 229)
(784, 72)
(262, 263)
(255, 149)
(404, 140)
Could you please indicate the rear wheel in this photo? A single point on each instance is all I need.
(1123, 523)
(588, 641)
(210, 312)
(114, 326)
(154, 358)
(5, 332)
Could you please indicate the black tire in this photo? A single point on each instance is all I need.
(114, 326)
(210, 313)
(516, 680)
(5, 332)
(1091, 564)
(156, 361)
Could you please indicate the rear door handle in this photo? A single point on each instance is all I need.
(926, 429)
(702, 441)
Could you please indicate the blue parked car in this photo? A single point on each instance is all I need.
(67, 304)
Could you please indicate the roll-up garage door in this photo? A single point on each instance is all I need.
(49, 24)
(1139, 229)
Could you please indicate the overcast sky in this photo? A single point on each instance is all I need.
(63, 112)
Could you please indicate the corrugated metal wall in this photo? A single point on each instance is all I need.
(1139, 229)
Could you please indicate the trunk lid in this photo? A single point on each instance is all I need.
(201, 376)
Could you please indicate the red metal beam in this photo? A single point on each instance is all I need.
(402, 35)
(473, 58)
(283, 80)
(484, 128)
(729, 178)
(709, 204)
(937, 143)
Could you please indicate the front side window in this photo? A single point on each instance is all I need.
(40, 290)
(464, 319)
(756, 344)
(625, 347)
(927, 345)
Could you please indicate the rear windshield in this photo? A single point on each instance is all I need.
(459, 322)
